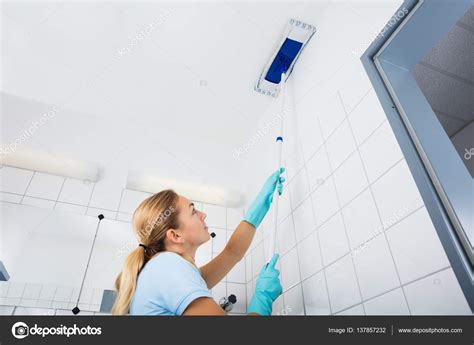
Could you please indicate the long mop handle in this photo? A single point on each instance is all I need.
(276, 197)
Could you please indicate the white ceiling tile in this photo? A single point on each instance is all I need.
(14, 180)
(45, 186)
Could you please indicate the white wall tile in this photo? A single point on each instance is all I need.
(331, 114)
(47, 292)
(340, 145)
(9, 197)
(332, 237)
(14, 301)
(356, 86)
(61, 206)
(303, 218)
(380, 151)
(237, 273)
(361, 219)
(325, 202)
(308, 126)
(16, 289)
(45, 186)
(249, 292)
(94, 212)
(284, 207)
(234, 217)
(318, 169)
(76, 192)
(36, 202)
(355, 310)
(248, 268)
(350, 179)
(14, 180)
(32, 291)
(416, 247)
(28, 302)
(316, 296)
(294, 160)
(131, 199)
(218, 291)
(342, 284)
(106, 196)
(391, 199)
(85, 297)
(204, 253)
(95, 307)
(126, 217)
(239, 291)
(257, 259)
(219, 241)
(97, 295)
(366, 117)
(216, 215)
(299, 188)
(60, 305)
(286, 235)
(6, 310)
(31, 311)
(390, 303)
(375, 268)
(289, 269)
(293, 299)
(278, 308)
(63, 294)
(309, 255)
(437, 294)
(44, 303)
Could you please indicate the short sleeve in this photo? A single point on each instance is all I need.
(178, 282)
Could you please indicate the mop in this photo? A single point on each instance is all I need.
(271, 83)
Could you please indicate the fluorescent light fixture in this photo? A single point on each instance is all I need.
(211, 194)
(51, 164)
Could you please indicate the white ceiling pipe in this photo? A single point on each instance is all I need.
(52, 164)
(212, 194)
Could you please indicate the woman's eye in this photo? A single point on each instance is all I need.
(194, 211)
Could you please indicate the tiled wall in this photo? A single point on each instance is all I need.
(353, 233)
(45, 191)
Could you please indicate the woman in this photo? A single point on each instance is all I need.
(160, 277)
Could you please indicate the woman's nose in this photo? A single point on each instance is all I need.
(203, 216)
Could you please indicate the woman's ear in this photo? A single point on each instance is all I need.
(174, 236)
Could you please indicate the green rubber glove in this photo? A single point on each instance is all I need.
(262, 202)
(267, 289)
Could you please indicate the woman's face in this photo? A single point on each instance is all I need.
(195, 230)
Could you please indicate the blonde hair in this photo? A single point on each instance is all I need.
(151, 220)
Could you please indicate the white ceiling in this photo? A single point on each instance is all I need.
(446, 76)
(181, 100)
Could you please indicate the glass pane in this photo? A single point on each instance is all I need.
(446, 77)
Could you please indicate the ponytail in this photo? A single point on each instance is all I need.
(126, 281)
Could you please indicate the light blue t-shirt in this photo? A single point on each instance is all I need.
(167, 285)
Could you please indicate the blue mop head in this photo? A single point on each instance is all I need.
(297, 35)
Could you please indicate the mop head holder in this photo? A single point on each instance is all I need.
(282, 61)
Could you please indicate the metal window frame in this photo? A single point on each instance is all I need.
(438, 176)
